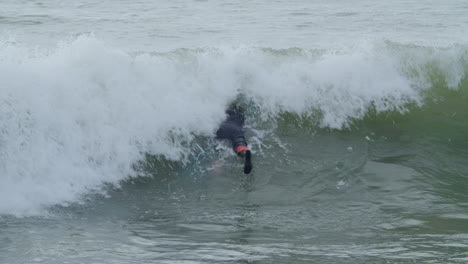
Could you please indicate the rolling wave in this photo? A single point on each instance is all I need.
(82, 114)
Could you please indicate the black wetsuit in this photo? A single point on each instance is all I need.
(233, 128)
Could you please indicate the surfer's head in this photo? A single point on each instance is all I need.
(235, 109)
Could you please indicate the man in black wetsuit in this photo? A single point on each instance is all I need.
(233, 129)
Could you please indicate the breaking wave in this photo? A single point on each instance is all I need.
(82, 114)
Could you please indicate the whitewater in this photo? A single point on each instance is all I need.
(355, 116)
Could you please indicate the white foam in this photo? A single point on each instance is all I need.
(341, 86)
(80, 115)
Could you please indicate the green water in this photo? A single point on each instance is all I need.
(356, 116)
(392, 189)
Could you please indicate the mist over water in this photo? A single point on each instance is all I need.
(355, 116)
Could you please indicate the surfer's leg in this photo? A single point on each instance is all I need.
(248, 162)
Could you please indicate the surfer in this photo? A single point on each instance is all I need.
(232, 129)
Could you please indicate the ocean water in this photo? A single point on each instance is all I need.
(356, 117)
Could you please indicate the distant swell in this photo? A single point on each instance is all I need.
(80, 115)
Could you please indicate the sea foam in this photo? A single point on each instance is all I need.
(81, 114)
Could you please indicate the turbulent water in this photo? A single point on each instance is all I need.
(355, 111)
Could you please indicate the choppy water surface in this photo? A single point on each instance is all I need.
(355, 114)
